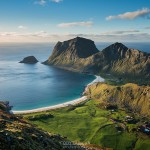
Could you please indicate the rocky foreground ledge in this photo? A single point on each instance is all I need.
(17, 133)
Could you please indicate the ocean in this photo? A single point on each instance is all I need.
(34, 86)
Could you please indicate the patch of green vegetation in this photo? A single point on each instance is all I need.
(88, 123)
(110, 137)
(142, 144)
(116, 79)
(40, 117)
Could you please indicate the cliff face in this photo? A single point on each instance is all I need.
(130, 96)
(75, 48)
(71, 53)
(82, 55)
(18, 134)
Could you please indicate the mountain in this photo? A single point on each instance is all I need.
(130, 96)
(69, 54)
(80, 54)
(119, 59)
(18, 134)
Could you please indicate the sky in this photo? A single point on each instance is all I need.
(59, 20)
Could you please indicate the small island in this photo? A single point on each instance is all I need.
(29, 60)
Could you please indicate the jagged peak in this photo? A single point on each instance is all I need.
(118, 45)
(77, 47)
(76, 40)
(79, 40)
(115, 51)
(115, 48)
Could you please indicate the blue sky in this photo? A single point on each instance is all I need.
(53, 20)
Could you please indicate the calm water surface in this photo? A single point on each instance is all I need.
(35, 86)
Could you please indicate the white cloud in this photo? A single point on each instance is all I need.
(22, 27)
(40, 2)
(73, 24)
(121, 32)
(131, 15)
(56, 1)
(8, 34)
(44, 2)
(147, 27)
(43, 36)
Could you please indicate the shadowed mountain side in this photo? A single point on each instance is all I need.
(81, 55)
(72, 53)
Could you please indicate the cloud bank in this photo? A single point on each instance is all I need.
(44, 2)
(73, 24)
(57, 1)
(22, 27)
(121, 32)
(43, 36)
(40, 2)
(131, 15)
(147, 27)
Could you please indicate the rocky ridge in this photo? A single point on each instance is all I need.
(81, 55)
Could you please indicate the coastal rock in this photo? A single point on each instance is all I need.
(29, 60)
(81, 55)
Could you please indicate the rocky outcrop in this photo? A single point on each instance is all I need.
(29, 60)
(130, 96)
(81, 54)
(18, 134)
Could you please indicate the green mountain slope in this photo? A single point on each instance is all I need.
(89, 123)
(18, 134)
(130, 96)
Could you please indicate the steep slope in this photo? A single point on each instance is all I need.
(18, 134)
(82, 55)
(129, 96)
(119, 59)
(71, 53)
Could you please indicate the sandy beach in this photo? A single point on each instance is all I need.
(73, 102)
(98, 79)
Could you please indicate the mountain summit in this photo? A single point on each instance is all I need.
(115, 50)
(72, 50)
(80, 54)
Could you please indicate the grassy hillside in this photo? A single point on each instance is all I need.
(18, 134)
(129, 96)
(89, 123)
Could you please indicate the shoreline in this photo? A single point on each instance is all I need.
(73, 102)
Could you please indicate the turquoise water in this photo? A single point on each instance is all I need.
(35, 86)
